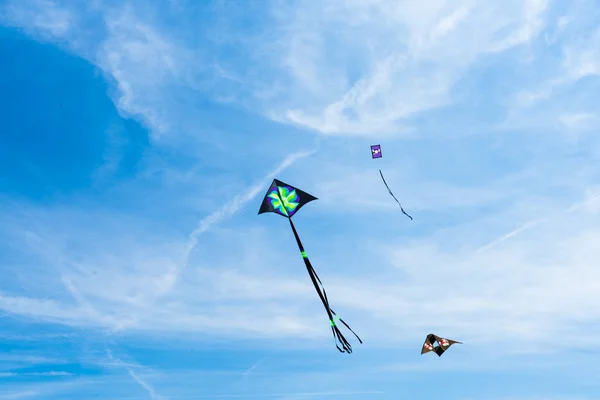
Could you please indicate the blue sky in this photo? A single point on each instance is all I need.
(136, 141)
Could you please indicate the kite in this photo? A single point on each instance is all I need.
(440, 348)
(286, 200)
(376, 153)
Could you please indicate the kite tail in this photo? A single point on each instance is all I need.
(341, 320)
(337, 334)
(388, 188)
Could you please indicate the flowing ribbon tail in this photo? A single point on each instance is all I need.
(314, 275)
(346, 325)
(389, 190)
(337, 335)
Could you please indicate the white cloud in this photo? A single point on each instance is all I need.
(525, 290)
(117, 284)
(356, 67)
(19, 395)
(549, 100)
(39, 374)
(582, 57)
(399, 58)
(143, 62)
(578, 121)
(45, 17)
(140, 58)
(226, 211)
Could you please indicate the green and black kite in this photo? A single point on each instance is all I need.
(286, 200)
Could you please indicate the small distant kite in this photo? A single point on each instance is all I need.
(376, 153)
(440, 348)
(286, 200)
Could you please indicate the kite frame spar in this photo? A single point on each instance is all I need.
(281, 209)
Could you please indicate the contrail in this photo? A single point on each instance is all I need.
(533, 223)
(153, 395)
(204, 225)
(151, 392)
(232, 208)
(234, 205)
(496, 242)
(247, 372)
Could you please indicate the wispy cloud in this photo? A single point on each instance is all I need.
(404, 59)
(390, 80)
(226, 211)
(256, 301)
(128, 302)
(50, 373)
(542, 102)
(19, 395)
(282, 395)
(142, 60)
(43, 16)
(494, 101)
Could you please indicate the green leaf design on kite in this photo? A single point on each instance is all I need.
(284, 199)
(275, 201)
(289, 198)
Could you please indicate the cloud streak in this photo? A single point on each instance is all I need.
(149, 389)
(534, 223)
(19, 374)
(399, 59)
(489, 130)
(231, 208)
(300, 394)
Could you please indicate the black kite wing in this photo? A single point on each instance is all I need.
(428, 344)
